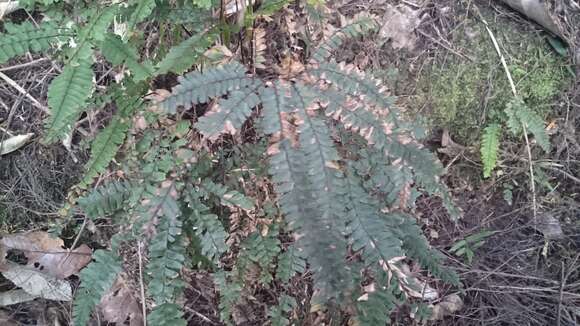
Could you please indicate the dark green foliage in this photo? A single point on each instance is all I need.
(96, 279)
(119, 53)
(182, 56)
(290, 263)
(260, 251)
(210, 232)
(26, 37)
(279, 314)
(106, 199)
(197, 87)
(67, 96)
(167, 314)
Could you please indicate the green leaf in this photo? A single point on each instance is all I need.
(278, 314)
(182, 56)
(228, 115)
(230, 198)
(96, 279)
(95, 30)
(67, 96)
(119, 53)
(489, 148)
(167, 314)
(23, 38)
(106, 199)
(211, 234)
(143, 9)
(104, 148)
(290, 263)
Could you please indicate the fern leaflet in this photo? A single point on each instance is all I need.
(96, 279)
(25, 37)
(143, 8)
(94, 30)
(196, 87)
(210, 232)
(278, 314)
(182, 56)
(290, 263)
(67, 94)
(166, 314)
(106, 199)
(119, 53)
(230, 198)
(489, 148)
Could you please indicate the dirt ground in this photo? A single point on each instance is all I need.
(516, 277)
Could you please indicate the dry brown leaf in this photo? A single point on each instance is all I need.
(400, 24)
(290, 67)
(409, 283)
(48, 255)
(448, 306)
(119, 304)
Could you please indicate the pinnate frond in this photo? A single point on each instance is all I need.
(25, 37)
(182, 56)
(260, 251)
(95, 30)
(166, 258)
(199, 87)
(489, 148)
(96, 279)
(119, 53)
(279, 314)
(67, 96)
(167, 314)
(230, 198)
(142, 10)
(290, 263)
(210, 232)
(106, 199)
(228, 115)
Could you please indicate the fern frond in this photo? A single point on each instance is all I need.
(384, 297)
(489, 148)
(167, 314)
(276, 102)
(261, 251)
(96, 279)
(143, 9)
(210, 232)
(25, 37)
(228, 115)
(199, 87)
(106, 199)
(118, 53)
(368, 231)
(230, 198)
(358, 26)
(290, 263)
(534, 125)
(278, 314)
(166, 258)
(417, 247)
(182, 56)
(95, 30)
(67, 94)
(104, 148)
(348, 80)
(230, 293)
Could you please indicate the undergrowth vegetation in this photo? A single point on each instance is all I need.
(251, 170)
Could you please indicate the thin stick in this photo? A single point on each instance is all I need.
(515, 93)
(143, 306)
(24, 65)
(24, 92)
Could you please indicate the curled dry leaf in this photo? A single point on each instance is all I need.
(47, 254)
(13, 143)
(448, 306)
(119, 305)
(410, 284)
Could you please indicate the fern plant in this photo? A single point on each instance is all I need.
(517, 115)
(169, 197)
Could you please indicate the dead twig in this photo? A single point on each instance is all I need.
(24, 92)
(143, 305)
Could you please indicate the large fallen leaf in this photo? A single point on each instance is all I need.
(36, 283)
(400, 24)
(119, 304)
(47, 254)
(13, 143)
(13, 297)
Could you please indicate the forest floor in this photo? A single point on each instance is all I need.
(445, 72)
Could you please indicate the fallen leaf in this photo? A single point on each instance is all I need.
(13, 143)
(47, 254)
(119, 304)
(400, 24)
(410, 284)
(36, 283)
(13, 297)
(448, 306)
